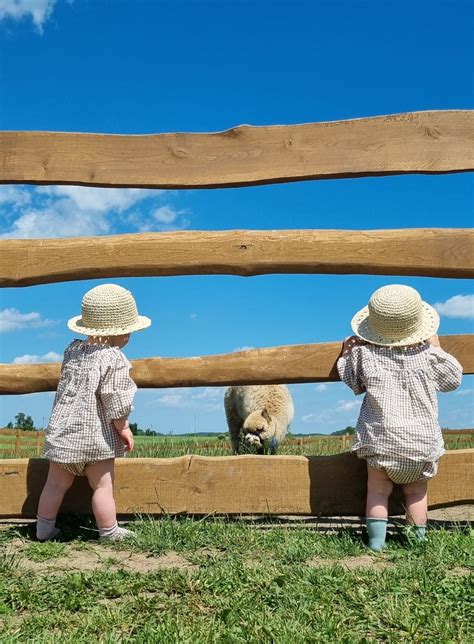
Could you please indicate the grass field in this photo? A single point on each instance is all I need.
(224, 581)
(217, 445)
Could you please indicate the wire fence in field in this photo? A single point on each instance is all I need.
(28, 444)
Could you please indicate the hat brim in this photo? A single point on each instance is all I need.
(75, 324)
(428, 326)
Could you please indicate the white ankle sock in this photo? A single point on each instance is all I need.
(114, 533)
(46, 529)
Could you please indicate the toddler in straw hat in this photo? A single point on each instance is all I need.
(89, 427)
(396, 360)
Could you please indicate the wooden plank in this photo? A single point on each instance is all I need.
(423, 142)
(287, 364)
(438, 252)
(316, 485)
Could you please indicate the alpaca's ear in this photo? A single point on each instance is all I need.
(266, 415)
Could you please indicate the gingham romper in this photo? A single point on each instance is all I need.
(94, 389)
(398, 427)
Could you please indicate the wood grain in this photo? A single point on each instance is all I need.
(286, 364)
(426, 252)
(421, 142)
(316, 485)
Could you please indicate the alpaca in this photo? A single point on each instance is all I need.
(258, 417)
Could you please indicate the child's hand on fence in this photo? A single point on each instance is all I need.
(350, 343)
(434, 341)
(126, 437)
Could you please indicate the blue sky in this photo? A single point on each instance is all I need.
(190, 65)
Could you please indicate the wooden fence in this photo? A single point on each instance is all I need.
(419, 142)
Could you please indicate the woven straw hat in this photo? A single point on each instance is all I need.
(396, 316)
(108, 309)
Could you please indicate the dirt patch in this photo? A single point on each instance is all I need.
(459, 571)
(351, 563)
(97, 557)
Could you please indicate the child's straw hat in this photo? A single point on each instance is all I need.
(395, 316)
(108, 309)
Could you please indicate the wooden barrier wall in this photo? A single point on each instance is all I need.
(440, 252)
(418, 142)
(423, 142)
(292, 364)
(315, 485)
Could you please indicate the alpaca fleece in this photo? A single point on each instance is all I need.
(258, 416)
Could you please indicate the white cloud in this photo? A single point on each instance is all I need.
(13, 195)
(464, 392)
(321, 387)
(193, 316)
(12, 320)
(347, 405)
(99, 200)
(209, 399)
(164, 215)
(459, 306)
(72, 211)
(38, 10)
(328, 415)
(56, 222)
(244, 348)
(164, 218)
(51, 356)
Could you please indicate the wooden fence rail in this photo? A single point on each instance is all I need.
(423, 142)
(288, 364)
(316, 485)
(425, 252)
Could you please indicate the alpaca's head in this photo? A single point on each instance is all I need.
(258, 428)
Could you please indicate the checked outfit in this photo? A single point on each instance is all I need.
(94, 389)
(398, 427)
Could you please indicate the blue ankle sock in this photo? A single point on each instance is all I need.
(418, 532)
(377, 530)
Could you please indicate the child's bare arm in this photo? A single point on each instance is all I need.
(123, 430)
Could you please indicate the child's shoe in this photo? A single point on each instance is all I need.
(377, 531)
(115, 533)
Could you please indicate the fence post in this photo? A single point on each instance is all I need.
(38, 444)
(17, 443)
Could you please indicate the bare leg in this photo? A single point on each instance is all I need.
(416, 501)
(379, 488)
(57, 484)
(101, 479)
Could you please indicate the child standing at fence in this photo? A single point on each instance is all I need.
(395, 359)
(89, 426)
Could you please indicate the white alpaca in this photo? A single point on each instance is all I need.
(258, 416)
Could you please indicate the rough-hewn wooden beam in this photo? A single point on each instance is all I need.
(315, 485)
(290, 364)
(421, 142)
(430, 252)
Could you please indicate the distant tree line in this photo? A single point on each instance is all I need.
(22, 421)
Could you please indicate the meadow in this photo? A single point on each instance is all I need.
(216, 445)
(187, 580)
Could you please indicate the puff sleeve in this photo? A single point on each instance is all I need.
(349, 367)
(446, 370)
(117, 389)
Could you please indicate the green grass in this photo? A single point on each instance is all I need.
(247, 585)
(172, 446)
